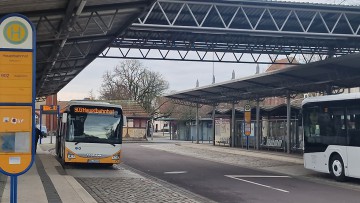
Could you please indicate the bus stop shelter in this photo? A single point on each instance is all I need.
(328, 77)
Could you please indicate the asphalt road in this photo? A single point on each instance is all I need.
(226, 183)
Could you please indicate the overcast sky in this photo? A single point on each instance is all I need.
(180, 75)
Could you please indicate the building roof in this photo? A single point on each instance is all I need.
(333, 73)
(131, 109)
(282, 64)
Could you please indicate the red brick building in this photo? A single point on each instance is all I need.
(275, 101)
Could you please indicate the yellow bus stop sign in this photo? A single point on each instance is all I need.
(247, 118)
(17, 94)
(15, 32)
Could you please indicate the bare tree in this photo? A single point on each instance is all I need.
(131, 80)
(344, 2)
(112, 88)
(91, 95)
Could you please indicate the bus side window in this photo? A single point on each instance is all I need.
(353, 124)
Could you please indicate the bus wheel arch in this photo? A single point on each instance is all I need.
(337, 167)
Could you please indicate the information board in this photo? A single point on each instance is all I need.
(16, 77)
(49, 109)
(247, 118)
(15, 138)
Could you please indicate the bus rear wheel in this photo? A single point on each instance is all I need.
(337, 168)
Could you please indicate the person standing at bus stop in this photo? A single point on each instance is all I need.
(38, 134)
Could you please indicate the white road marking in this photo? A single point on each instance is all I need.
(236, 177)
(258, 176)
(175, 172)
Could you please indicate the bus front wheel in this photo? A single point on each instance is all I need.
(337, 169)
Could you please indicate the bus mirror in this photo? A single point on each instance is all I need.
(124, 120)
(64, 117)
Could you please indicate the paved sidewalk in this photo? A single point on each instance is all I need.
(45, 184)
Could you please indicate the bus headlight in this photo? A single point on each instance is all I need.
(116, 157)
(70, 156)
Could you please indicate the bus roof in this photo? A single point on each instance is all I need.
(337, 97)
(92, 103)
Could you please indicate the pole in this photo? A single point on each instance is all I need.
(170, 129)
(247, 142)
(213, 124)
(288, 144)
(197, 123)
(152, 121)
(257, 129)
(13, 189)
(233, 125)
(40, 123)
(51, 127)
(57, 123)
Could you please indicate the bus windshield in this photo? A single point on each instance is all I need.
(94, 128)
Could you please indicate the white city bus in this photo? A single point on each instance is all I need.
(332, 134)
(90, 132)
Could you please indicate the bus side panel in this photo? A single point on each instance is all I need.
(319, 161)
(353, 169)
(316, 161)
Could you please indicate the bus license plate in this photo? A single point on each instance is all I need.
(93, 161)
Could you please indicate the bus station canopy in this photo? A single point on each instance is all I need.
(327, 75)
(70, 34)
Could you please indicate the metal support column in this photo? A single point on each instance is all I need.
(213, 124)
(197, 123)
(232, 135)
(257, 129)
(152, 121)
(170, 129)
(288, 125)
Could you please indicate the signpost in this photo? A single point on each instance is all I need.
(17, 97)
(247, 123)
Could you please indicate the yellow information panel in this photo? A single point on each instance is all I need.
(16, 77)
(247, 118)
(15, 138)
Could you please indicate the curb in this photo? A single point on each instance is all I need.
(83, 194)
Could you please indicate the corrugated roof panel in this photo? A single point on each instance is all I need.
(342, 72)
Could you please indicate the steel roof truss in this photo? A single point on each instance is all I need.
(319, 24)
(163, 54)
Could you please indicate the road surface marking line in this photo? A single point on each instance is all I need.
(258, 176)
(267, 186)
(175, 172)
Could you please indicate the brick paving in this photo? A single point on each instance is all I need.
(126, 190)
(131, 190)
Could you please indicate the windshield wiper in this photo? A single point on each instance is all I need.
(86, 139)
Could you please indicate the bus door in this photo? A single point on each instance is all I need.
(353, 150)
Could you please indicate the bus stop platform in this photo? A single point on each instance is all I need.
(45, 182)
